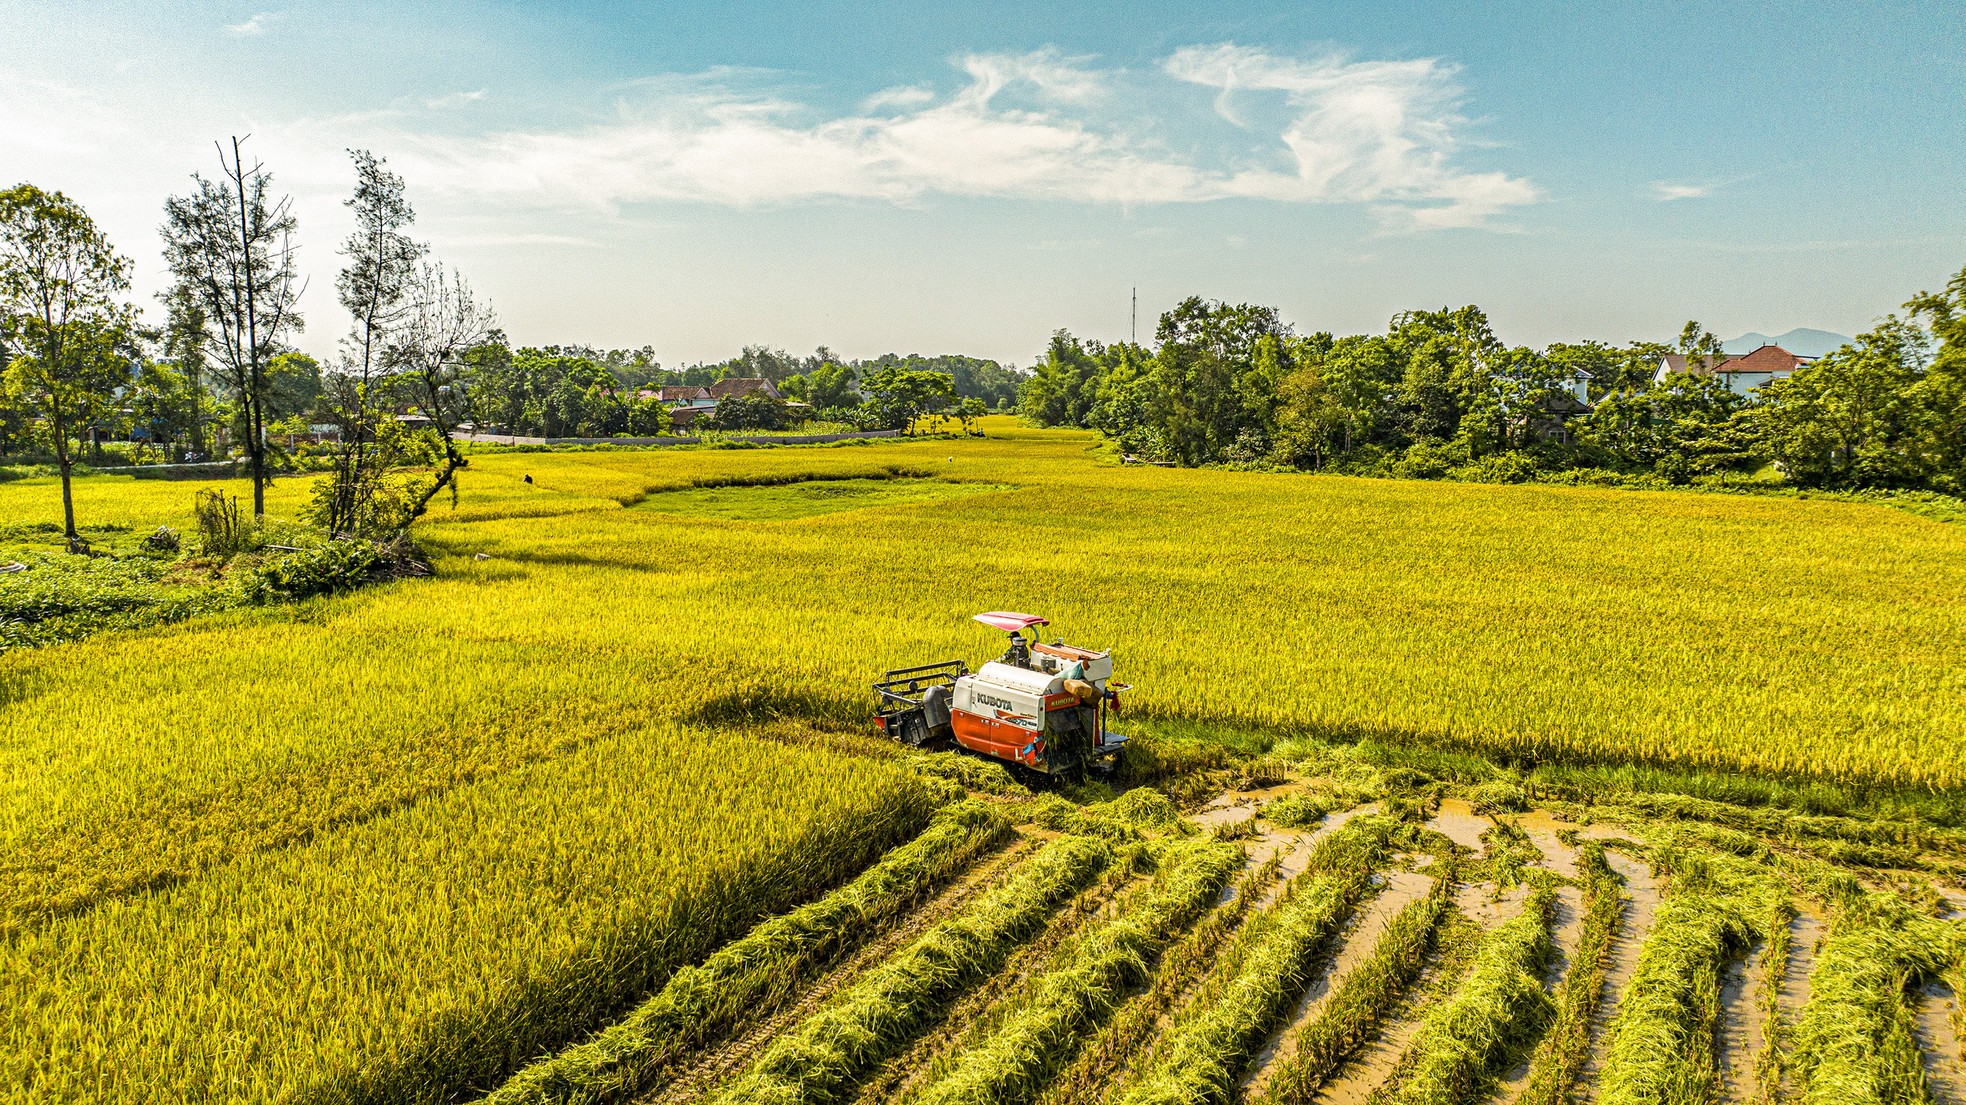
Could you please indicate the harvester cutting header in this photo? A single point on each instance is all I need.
(1039, 706)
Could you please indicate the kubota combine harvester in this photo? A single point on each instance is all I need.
(1039, 707)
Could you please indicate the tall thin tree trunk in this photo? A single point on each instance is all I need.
(65, 460)
(256, 447)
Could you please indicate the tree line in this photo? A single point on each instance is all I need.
(579, 391)
(79, 362)
(1438, 394)
(422, 356)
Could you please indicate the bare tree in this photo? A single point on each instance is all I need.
(230, 244)
(375, 287)
(60, 314)
(429, 366)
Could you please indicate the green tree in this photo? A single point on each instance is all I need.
(230, 245)
(1852, 418)
(184, 340)
(1363, 374)
(163, 404)
(432, 357)
(1063, 387)
(753, 410)
(898, 398)
(1940, 395)
(62, 319)
(1214, 375)
(1696, 344)
(968, 411)
(1125, 406)
(827, 385)
(1449, 358)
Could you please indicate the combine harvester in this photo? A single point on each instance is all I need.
(1040, 708)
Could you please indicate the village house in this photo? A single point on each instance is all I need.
(743, 385)
(674, 393)
(1741, 374)
(1571, 399)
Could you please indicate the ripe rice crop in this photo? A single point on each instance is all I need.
(1129, 1029)
(752, 974)
(430, 951)
(145, 775)
(1854, 1045)
(1565, 1046)
(1730, 605)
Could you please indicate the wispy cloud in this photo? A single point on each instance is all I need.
(1035, 126)
(1667, 191)
(259, 24)
(454, 100)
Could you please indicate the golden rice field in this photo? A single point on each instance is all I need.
(396, 845)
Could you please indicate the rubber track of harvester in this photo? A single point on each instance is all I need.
(907, 1073)
(714, 1067)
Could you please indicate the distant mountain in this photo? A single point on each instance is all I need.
(1801, 341)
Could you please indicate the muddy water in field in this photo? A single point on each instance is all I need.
(1458, 822)
(1541, 828)
(1955, 906)
(1569, 934)
(1356, 939)
(1483, 905)
(1743, 1027)
(1938, 1038)
(1219, 814)
(1806, 930)
(1634, 922)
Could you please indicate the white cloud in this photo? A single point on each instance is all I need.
(259, 24)
(1667, 191)
(455, 99)
(1036, 126)
(913, 95)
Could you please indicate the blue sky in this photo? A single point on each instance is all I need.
(906, 177)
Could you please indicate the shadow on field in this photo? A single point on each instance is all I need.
(757, 704)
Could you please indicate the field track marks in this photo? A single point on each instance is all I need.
(1936, 1023)
(1566, 936)
(1742, 1028)
(1128, 1033)
(1806, 931)
(712, 1067)
(1374, 1063)
(1355, 942)
(1634, 924)
(908, 1073)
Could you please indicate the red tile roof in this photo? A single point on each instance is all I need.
(1768, 358)
(742, 385)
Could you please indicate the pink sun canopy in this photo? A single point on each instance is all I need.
(1011, 621)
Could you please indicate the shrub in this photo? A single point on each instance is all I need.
(320, 570)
